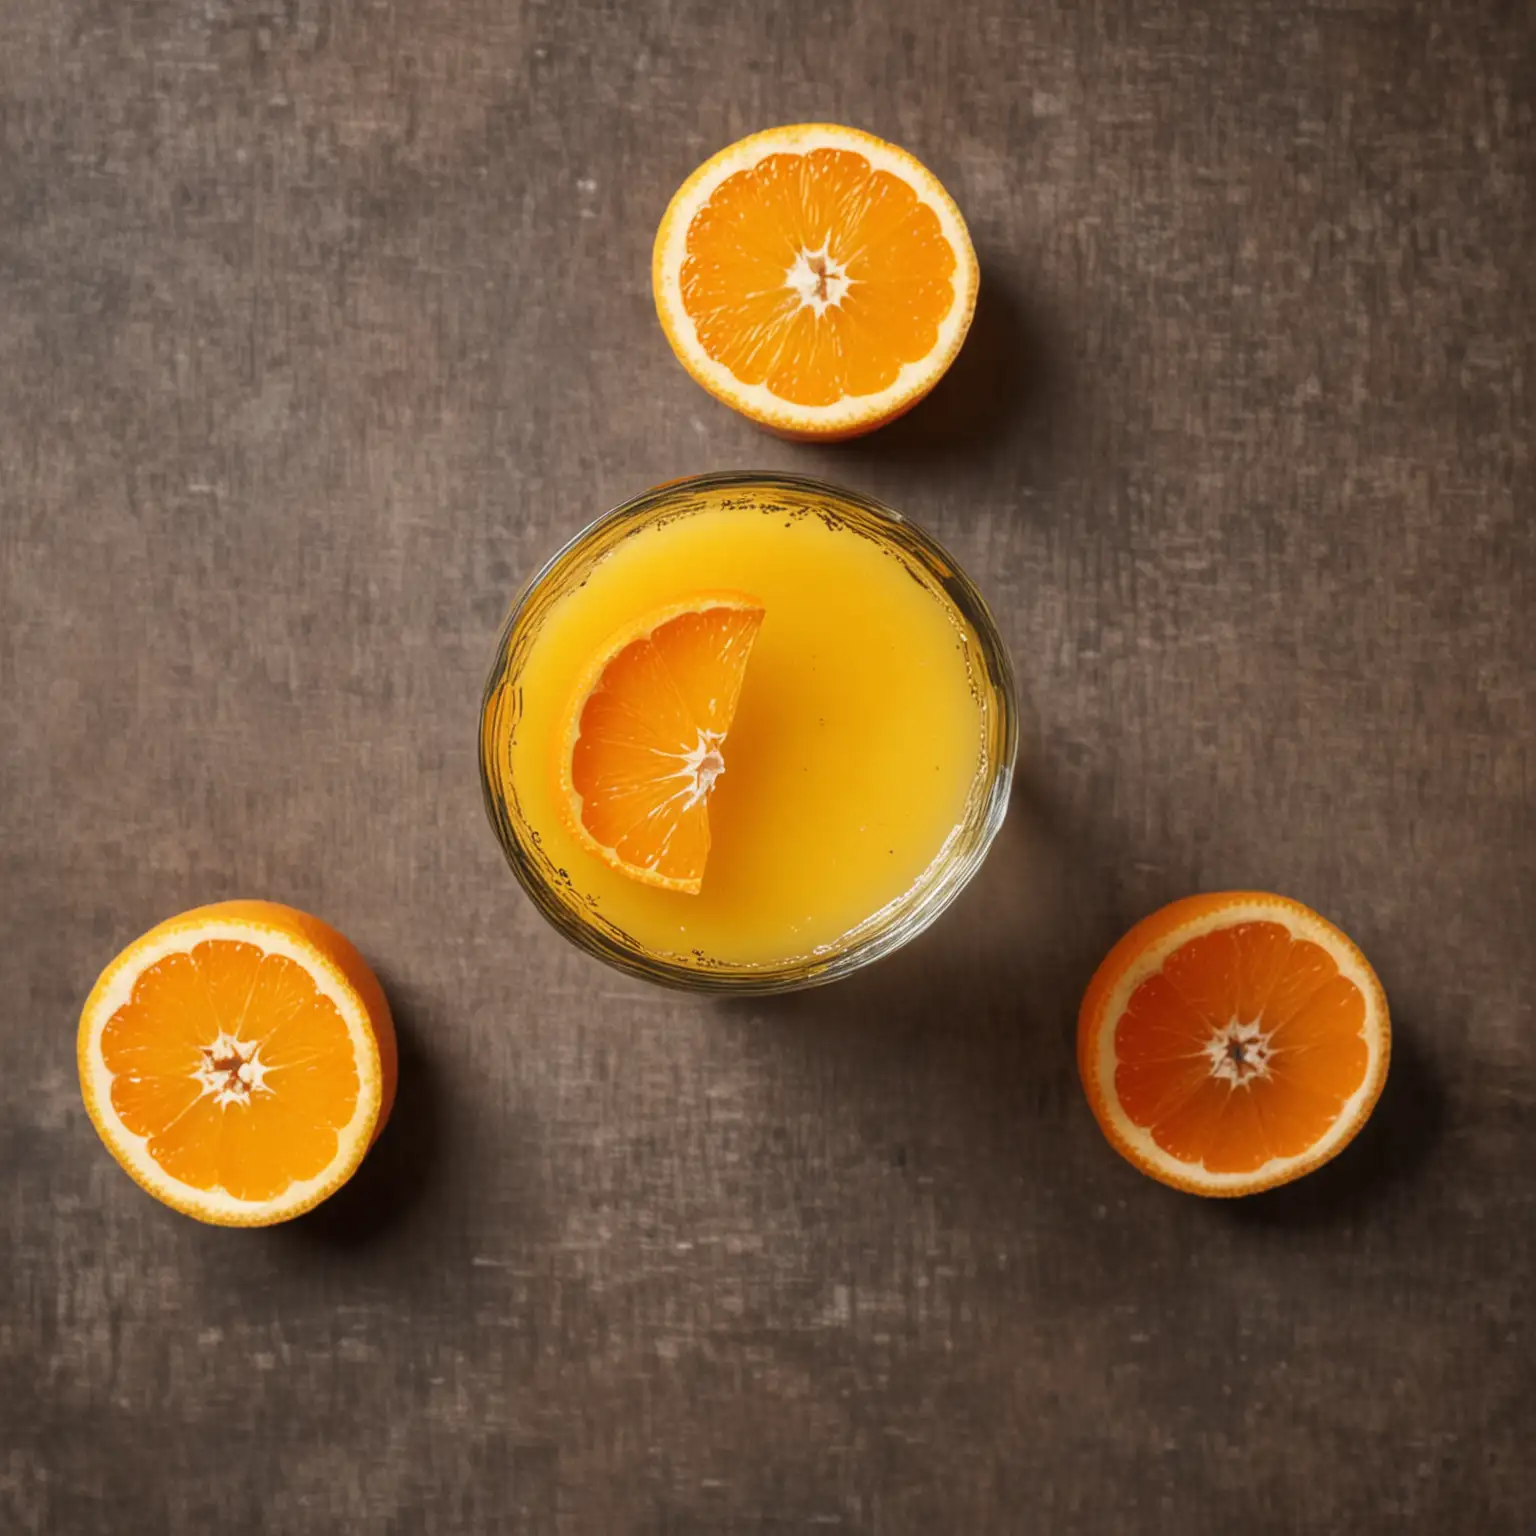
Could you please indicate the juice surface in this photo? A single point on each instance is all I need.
(856, 743)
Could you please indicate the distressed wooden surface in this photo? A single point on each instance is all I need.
(321, 324)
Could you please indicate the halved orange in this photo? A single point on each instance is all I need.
(815, 278)
(238, 1061)
(1232, 1042)
(645, 732)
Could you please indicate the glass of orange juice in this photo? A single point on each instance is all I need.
(866, 770)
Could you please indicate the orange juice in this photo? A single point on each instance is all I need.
(867, 732)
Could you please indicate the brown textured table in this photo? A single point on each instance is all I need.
(321, 324)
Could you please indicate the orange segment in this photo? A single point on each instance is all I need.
(1232, 1042)
(644, 742)
(816, 278)
(238, 1060)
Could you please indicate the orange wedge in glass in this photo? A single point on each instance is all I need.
(645, 734)
(1232, 1042)
(815, 278)
(238, 1061)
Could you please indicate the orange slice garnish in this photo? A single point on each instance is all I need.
(238, 1061)
(644, 738)
(815, 278)
(1232, 1042)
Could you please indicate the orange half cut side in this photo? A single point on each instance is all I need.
(1232, 1042)
(645, 736)
(815, 278)
(238, 1061)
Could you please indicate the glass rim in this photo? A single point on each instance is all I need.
(937, 888)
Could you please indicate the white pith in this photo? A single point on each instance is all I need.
(819, 280)
(697, 770)
(116, 988)
(757, 400)
(1300, 925)
(1239, 1052)
(702, 765)
(232, 1070)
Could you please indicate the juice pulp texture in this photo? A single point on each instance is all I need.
(854, 748)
